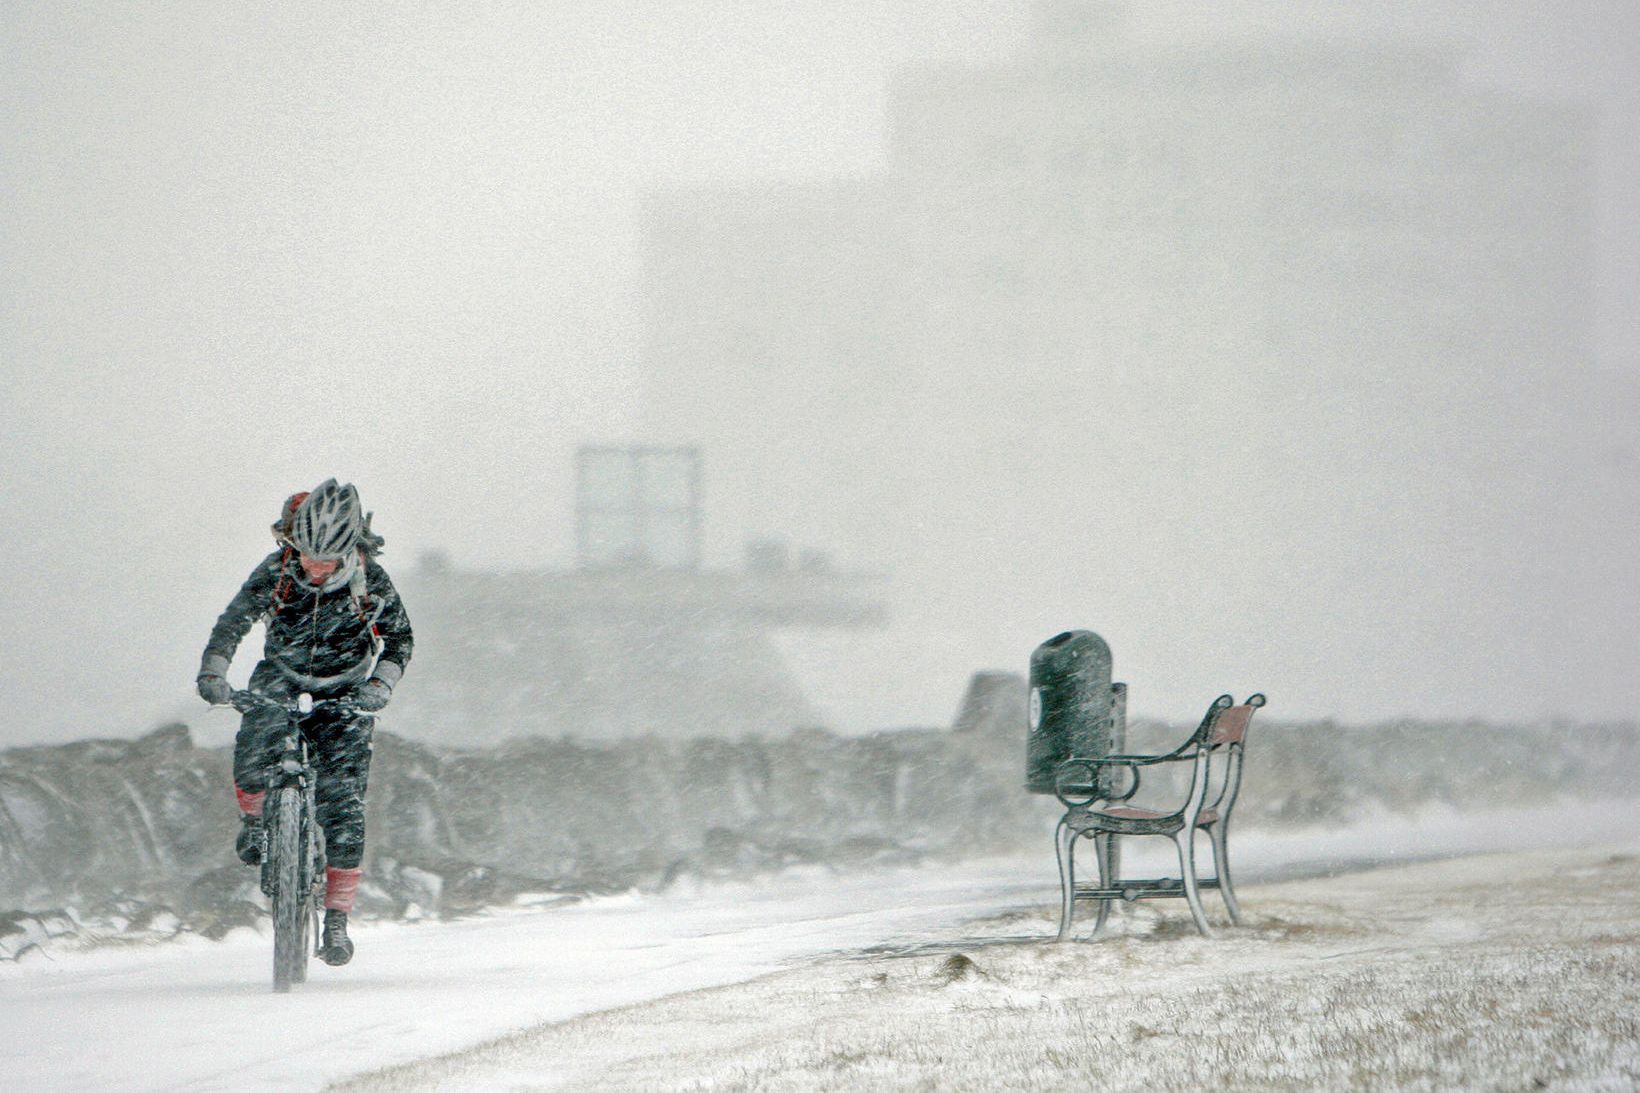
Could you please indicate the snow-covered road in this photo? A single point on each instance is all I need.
(198, 1015)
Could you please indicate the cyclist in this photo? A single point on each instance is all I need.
(336, 629)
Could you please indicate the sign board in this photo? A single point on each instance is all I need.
(638, 506)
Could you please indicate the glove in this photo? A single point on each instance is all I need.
(372, 696)
(212, 683)
(214, 689)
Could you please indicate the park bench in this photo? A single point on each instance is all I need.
(1087, 786)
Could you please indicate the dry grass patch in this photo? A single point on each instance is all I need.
(1492, 974)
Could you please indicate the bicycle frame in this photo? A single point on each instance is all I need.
(293, 853)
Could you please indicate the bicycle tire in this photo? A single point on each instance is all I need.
(289, 897)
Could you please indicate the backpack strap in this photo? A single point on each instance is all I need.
(281, 590)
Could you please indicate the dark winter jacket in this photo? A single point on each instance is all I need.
(321, 641)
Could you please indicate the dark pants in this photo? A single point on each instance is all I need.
(338, 748)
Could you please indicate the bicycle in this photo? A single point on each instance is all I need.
(293, 843)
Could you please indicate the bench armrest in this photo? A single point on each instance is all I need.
(1088, 788)
(1181, 755)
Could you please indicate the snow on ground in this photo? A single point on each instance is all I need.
(1513, 971)
(198, 1015)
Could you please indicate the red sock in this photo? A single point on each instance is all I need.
(340, 887)
(249, 803)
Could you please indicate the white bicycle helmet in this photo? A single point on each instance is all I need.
(328, 522)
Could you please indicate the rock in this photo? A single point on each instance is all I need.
(173, 737)
(957, 967)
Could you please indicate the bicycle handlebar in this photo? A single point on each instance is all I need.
(245, 701)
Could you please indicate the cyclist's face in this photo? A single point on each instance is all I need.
(318, 572)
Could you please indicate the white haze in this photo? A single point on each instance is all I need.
(244, 248)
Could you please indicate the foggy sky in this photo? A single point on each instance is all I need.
(245, 248)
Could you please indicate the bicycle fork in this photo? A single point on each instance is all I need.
(313, 841)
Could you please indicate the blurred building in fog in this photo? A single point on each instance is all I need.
(1101, 254)
(639, 639)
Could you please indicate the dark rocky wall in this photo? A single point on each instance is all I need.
(450, 830)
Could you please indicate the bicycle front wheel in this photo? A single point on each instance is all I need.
(290, 896)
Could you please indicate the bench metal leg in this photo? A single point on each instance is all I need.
(1221, 867)
(1065, 850)
(1185, 841)
(1107, 875)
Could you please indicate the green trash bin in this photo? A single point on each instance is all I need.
(1075, 710)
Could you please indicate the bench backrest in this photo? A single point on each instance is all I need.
(1230, 727)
